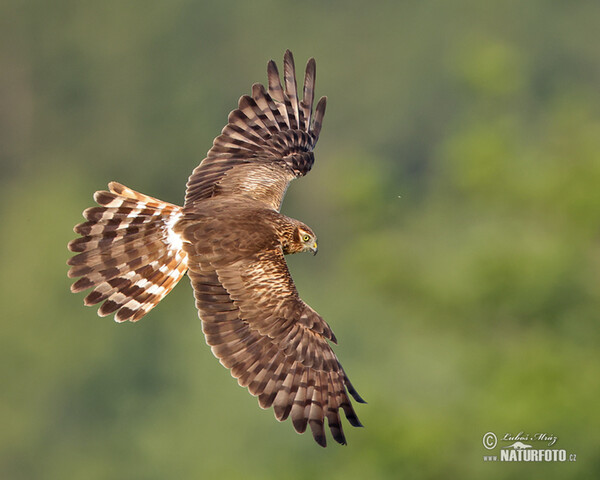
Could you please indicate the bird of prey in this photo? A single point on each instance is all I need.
(231, 240)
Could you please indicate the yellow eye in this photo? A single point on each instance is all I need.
(305, 238)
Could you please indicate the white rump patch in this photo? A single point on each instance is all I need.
(174, 240)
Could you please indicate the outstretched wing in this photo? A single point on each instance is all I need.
(267, 142)
(273, 342)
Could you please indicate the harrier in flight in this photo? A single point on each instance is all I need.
(231, 240)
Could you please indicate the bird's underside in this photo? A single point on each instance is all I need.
(231, 240)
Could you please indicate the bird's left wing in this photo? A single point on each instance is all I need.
(267, 142)
(273, 342)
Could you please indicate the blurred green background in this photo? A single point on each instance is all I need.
(456, 198)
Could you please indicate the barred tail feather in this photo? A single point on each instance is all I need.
(128, 253)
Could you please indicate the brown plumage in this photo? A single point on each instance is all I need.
(231, 239)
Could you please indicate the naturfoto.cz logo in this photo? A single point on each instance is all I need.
(520, 448)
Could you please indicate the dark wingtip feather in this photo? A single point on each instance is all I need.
(288, 56)
(320, 439)
(356, 396)
(353, 391)
(291, 90)
(338, 436)
(275, 89)
(310, 74)
(265, 400)
(308, 93)
(321, 106)
(318, 431)
(352, 417)
(319, 114)
(335, 427)
(300, 424)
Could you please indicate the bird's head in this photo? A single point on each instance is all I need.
(303, 240)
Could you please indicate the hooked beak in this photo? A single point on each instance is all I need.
(314, 249)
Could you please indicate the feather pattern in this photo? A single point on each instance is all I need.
(311, 392)
(254, 320)
(128, 253)
(231, 239)
(271, 133)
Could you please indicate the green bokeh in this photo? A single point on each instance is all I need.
(456, 195)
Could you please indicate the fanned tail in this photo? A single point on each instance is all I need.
(128, 253)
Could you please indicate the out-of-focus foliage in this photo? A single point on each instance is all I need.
(456, 196)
